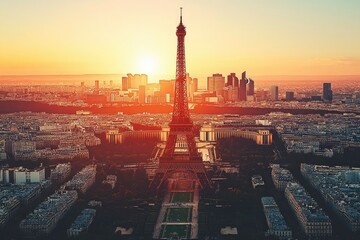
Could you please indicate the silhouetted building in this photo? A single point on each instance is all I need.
(327, 92)
(289, 96)
(250, 87)
(242, 87)
(274, 93)
(216, 83)
(232, 80)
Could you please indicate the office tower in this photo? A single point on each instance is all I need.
(142, 94)
(136, 81)
(250, 87)
(96, 89)
(274, 93)
(242, 87)
(232, 80)
(130, 80)
(180, 153)
(111, 83)
(125, 84)
(289, 96)
(327, 92)
(216, 83)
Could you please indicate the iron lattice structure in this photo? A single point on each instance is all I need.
(180, 153)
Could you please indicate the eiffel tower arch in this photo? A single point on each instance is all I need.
(180, 154)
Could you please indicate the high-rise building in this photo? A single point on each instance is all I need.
(242, 87)
(125, 84)
(96, 89)
(134, 81)
(327, 92)
(143, 79)
(216, 83)
(142, 94)
(232, 80)
(274, 93)
(289, 96)
(250, 87)
(111, 84)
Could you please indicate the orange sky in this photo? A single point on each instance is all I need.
(118, 36)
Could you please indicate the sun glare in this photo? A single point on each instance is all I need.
(147, 64)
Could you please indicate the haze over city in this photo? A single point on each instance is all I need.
(113, 36)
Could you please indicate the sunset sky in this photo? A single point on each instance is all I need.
(268, 37)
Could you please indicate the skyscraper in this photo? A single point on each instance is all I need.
(327, 92)
(274, 93)
(242, 87)
(216, 83)
(250, 87)
(232, 80)
(134, 81)
(143, 79)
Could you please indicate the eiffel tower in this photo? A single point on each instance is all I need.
(180, 156)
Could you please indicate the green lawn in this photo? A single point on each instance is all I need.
(178, 214)
(182, 231)
(181, 197)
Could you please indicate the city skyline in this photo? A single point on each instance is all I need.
(274, 38)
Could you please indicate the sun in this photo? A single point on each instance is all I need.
(147, 64)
